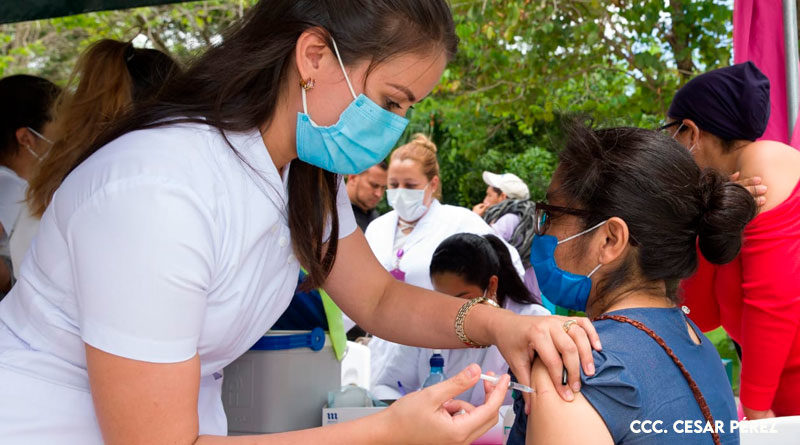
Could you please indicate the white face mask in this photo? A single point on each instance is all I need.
(407, 202)
(42, 137)
(37, 156)
(691, 149)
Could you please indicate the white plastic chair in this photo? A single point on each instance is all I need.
(775, 431)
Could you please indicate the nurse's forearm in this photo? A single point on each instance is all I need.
(366, 430)
(414, 316)
(397, 311)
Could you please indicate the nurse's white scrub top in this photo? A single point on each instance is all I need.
(162, 245)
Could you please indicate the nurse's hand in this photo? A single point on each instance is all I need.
(432, 416)
(754, 186)
(519, 337)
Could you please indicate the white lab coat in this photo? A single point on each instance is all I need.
(438, 223)
(411, 365)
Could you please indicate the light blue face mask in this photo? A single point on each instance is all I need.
(363, 136)
(562, 288)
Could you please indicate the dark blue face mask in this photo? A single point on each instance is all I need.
(562, 288)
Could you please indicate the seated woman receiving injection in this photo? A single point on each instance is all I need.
(626, 207)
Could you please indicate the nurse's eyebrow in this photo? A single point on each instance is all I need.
(408, 93)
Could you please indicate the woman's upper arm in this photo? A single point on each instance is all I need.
(551, 417)
(139, 402)
(357, 280)
(142, 256)
(142, 260)
(770, 308)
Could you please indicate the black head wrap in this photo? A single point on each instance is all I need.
(730, 103)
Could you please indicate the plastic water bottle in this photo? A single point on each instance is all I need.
(437, 369)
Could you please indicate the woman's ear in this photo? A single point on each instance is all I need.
(24, 137)
(615, 239)
(694, 132)
(309, 51)
(434, 187)
(491, 289)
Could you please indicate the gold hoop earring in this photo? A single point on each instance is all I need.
(307, 84)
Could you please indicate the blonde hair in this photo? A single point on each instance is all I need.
(421, 150)
(100, 89)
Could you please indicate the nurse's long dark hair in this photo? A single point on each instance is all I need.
(235, 87)
(475, 259)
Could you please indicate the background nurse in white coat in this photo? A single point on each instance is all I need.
(171, 250)
(467, 266)
(404, 239)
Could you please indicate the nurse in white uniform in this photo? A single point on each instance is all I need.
(170, 250)
(25, 115)
(467, 266)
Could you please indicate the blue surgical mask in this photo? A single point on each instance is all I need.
(363, 136)
(562, 288)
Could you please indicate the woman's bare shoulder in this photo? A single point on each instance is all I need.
(777, 164)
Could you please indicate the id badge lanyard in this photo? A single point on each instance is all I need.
(396, 272)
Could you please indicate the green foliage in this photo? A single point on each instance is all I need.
(726, 350)
(524, 68)
(49, 48)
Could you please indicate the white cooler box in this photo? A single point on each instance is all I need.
(281, 383)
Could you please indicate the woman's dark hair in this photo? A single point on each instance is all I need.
(25, 101)
(670, 205)
(149, 70)
(475, 259)
(110, 76)
(235, 86)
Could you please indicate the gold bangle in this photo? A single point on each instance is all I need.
(461, 317)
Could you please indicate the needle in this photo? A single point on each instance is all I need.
(512, 385)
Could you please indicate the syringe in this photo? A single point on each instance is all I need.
(511, 385)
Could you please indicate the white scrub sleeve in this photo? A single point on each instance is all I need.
(142, 255)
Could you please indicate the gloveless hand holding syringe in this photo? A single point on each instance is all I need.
(511, 385)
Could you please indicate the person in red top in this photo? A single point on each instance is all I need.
(756, 298)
